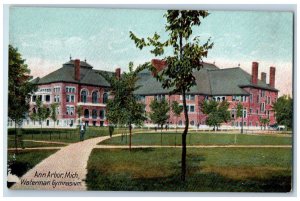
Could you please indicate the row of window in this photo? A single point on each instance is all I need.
(44, 90)
(94, 113)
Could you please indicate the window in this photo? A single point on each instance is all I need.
(56, 89)
(105, 98)
(56, 98)
(257, 100)
(269, 100)
(86, 113)
(192, 97)
(39, 97)
(251, 98)
(95, 97)
(47, 97)
(262, 93)
(33, 98)
(34, 111)
(57, 110)
(192, 108)
(102, 114)
(250, 111)
(245, 113)
(159, 97)
(233, 98)
(262, 107)
(268, 112)
(243, 98)
(94, 114)
(180, 123)
(70, 89)
(70, 98)
(83, 96)
(70, 110)
(192, 123)
(232, 113)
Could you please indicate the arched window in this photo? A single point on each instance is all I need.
(94, 114)
(192, 123)
(105, 98)
(218, 99)
(102, 114)
(83, 96)
(86, 113)
(95, 97)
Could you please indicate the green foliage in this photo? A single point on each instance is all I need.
(159, 112)
(176, 108)
(283, 108)
(79, 111)
(264, 121)
(19, 86)
(239, 110)
(217, 112)
(123, 108)
(53, 114)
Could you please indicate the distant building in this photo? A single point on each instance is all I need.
(77, 83)
(232, 84)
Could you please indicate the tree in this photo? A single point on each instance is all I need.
(42, 112)
(53, 115)
(19, 88)
(159, 113)
(79, 111)
(217, 112)
(123, 107)
(176, 109)
(264, 122)
(283, 108)
(176, 73)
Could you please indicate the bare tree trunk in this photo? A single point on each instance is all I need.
(184, 134)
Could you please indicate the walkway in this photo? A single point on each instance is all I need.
(64, 170)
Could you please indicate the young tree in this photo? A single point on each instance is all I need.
(177, 109)
(176, 71)
(264, 122)
(283, 108)
(79, 111)
(53, 115)
(42, 113)
(19, 88)
(124, 107)
(217, 112)
(159, 113)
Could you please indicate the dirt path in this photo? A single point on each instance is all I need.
(191, 146)
(64, 170)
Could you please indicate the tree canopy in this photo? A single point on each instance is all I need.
(159, 112)
(283, 108)
(19, 86)
(217, 112)
(188, 52)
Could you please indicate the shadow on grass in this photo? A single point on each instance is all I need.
(202, 182)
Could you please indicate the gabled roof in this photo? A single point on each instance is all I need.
(210, 80)
(66, 73)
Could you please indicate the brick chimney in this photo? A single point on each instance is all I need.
(77, 69)
(272, 76)
(118, 73)
(254, 72)
(158, 65)
(264, 77)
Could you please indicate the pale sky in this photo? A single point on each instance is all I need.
(47, 36)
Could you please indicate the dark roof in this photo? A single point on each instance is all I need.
(66, 73)
(210, 80)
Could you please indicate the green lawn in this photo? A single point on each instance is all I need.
(200, 139)
(209, 170)
(60, 135)
(24, 160)
(30, 144)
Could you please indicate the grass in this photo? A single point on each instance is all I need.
(208, 170)
(32, 144)
(59, 135)
(24, 160)
(200, 139)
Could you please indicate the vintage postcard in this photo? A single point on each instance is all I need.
(150, 100)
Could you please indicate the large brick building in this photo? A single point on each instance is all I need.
(77, 83)
(232, 84)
